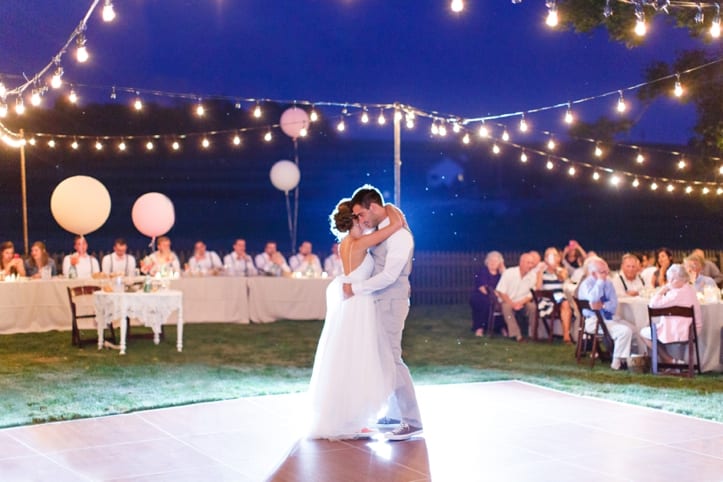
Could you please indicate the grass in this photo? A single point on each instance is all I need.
(43, 378)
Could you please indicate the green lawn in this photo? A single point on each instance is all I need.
(44, 378)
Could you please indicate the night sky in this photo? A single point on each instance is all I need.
(495, 57)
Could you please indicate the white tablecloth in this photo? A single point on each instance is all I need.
(151, 309)
(635, 309)
(272, 299)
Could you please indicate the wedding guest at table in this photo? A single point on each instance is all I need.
(670, 329)
(627, 281)
(40, 264)
(204, 261)
(10, 261)
(271, 262)
(485, 281)
(305, 262)
(551, 276)
(693, 266)
(709, 267)
(332, 263)
(647, 268)
(664, 258)
(239, 263)
(119, 262)
(599, 291)
(573, 256)
(514, 290)
(80, 264)
(163, 260)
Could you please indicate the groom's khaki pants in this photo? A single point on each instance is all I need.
(392, 313)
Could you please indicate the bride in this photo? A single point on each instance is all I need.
(348, 385)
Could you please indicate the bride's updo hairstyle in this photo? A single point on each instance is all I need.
(342, 219)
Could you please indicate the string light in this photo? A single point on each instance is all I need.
(122, 146)
(598, 151)
(699, 16)
(595, 176)
(682, 164)
(688, 190)
(205, 143)
(465, 138)
(705, 191)
(98, 146)
(715, 24)
(457, 6)
(678, 89)
(569, 118)
(719, 191)
(31, 141)
(236, 140)
(409, 116)
(621, 102)
(73, 97)
(149, 146)
(640, 27)
(636, 183)
(113, 95)
(74, 145)
(138, 104)
(175, 146)
(434, 129)
(268, 136)
(654, 186)
(495, 148)
(19, 106)
(505, 135)
(571, 171)
(456, 128)
(615, 180)
(257, 111)
(56, 81)
(608, 10)
(313, 115)
(442, 129)
(551, 143)
(200, 110)
(640, 158)
(365, 116)
(108, 11)
(523, 124)
(381, 119)
(483, 131)
(523, 157)
(550, 165)
(670, 188)
(35, 98)
(552, 19)
(81, 52)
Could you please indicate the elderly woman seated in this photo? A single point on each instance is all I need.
(481, 300)
(673, 329)
(694, 265)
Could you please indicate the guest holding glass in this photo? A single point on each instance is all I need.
(551, 276)
(80, 264)
(485, 281)
(573, 256)
(204, 261)
(40, 264)
(239, 263)
(10, 262)
(163, 260)
(305, 262)
(271, 262)
(671, 329)
(664, 260)
(119, 261)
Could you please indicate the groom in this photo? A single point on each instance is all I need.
(389, 285)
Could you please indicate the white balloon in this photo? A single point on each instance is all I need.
(293, 120)
(80, 204)
(285, 175)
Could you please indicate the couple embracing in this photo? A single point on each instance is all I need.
(358, 370)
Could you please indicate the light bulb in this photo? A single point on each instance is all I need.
(523, 157)
(569, 118)
(552, 19)
(551, 144)
(523, 124)
(35, 98)
(636, 183)
(571, 171)
(73, 97)
(598, 151)
(268, 136)
(678, 89)
(457, 6)
(108, 12)
(257, 111)
(682, 164)
(621, 103)
(465, 139)
(595, 176)
(435, 130)
(615, 180)
(236, 140)
(3, 110)
(74, 145)
(705, 190)
(313, 116)
(640, 158)
(341, 126)
(365, 117)
(397, 116)
(483, 131)
(640, 27)
(56, 81)
(19, 107)
(505, 135)
(200, 110)
(720, 170)
(122, 146)
(549, 165)
(303, 132)
(138, 104)
(410, 123)
(112, 93)
(688, 190)
(205, 143)
(719, 191)
(149, 145)
(496, 148)
(670, 188)
(715, 27)
(81, 52)
(32, 141)
(381, 119)
(51, 143)
(456, 128)
(98, 146)
(442, 130)
(175, 146)
(654, 186)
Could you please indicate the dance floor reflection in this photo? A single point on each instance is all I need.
(482, 431)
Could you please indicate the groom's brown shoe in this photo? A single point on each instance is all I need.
(403, 432)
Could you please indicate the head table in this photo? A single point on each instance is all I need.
(42, 305)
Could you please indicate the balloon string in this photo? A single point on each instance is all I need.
(153, 240)
(296, 199)
(288, 215)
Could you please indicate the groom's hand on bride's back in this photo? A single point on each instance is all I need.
(348, 293)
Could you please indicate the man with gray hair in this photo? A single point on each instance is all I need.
(709, 267)
(627, 281)
(599, 291)
(513, 288)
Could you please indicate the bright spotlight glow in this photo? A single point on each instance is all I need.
(457, 6)
(236, 140)
(149, 145)
(73, 97)
(138, 104)
(175, 146)
(595, 176)
(640, 158)
(523, 157)
(205, 143)
(122, 146)
(257, 111)
(571, 171)
(636, 183)
(268, 136)
(98, 146)
(640, 28)
(200, 110)
(496, 149)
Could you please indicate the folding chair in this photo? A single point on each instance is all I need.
(548, 321)
(75, 292)
(599, 338)
(691, 342)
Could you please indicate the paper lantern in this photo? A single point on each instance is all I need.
(285, 175)
(80, 204)
(293, 120)
(153, 214)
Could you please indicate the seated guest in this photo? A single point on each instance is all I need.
(332, 263)
(671, 329)
(709, 268)
(239, 263)
(119, 262)
(272, 262)
(664, 259)
(40, 264)
(598, 290)
(10, 262)
(573, 256)
(80, 264)
(204, 261)
(627, 281)
(514, 290)
(305, 261)
(163, 260)
(485, 281)
(693, 266)
(647, 268)
(551, 276)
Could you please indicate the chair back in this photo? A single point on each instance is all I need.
(684, 311)
(77, 291)
(692, 341)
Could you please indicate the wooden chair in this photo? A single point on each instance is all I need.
(548, 321)
(598, 339)
(73, 293)
(495, 311)
(691, 342)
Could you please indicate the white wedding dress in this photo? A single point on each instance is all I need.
(349, 386)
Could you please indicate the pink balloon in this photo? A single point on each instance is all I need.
(293, 120)
(153, 214)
